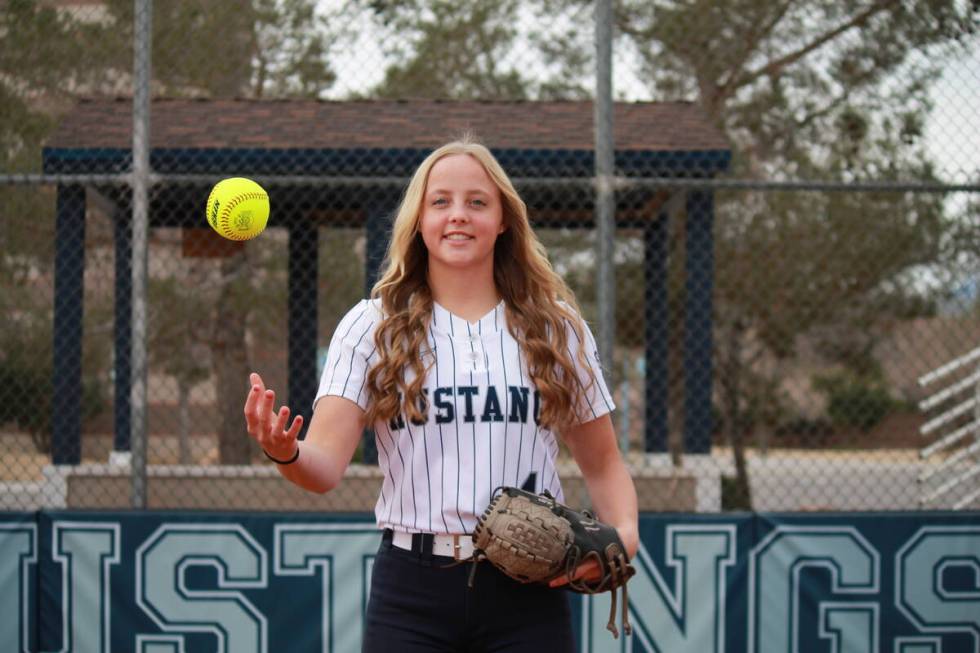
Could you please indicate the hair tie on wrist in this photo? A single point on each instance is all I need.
(283, 462)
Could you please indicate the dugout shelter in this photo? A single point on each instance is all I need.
(324, 161)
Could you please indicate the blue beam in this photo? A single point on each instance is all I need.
(381, 162)
(656, 319)
(69, 293)
(697, 323)
(302, 319)
(377, 233)
(123, 328)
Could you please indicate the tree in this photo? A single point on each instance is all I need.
(259, 49)
(474, 50)
(446, 49)
(824, 91)
(49, 55)
(177, 344)
(44, 58)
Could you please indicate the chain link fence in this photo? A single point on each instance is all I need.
(794, 320)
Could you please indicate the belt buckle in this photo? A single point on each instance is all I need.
(456, 548)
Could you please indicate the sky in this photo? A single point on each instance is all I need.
(952, 132)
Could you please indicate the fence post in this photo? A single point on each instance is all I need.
(605, 201)
(142, 36)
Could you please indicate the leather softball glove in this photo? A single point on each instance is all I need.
(535, 539)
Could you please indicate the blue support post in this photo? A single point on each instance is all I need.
(656, 318)
(69, 293)
(698, 326)
(123, 328)
(302, 319)
(377, 232)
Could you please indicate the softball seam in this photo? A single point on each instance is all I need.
(225, 215)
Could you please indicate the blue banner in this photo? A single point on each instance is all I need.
(180, 582)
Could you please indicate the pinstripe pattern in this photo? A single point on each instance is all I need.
(473, 358)
(442, 444)
(507, 445)
(481, 430)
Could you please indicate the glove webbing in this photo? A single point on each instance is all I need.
(617, 575)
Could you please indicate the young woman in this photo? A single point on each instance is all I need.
(469, 361)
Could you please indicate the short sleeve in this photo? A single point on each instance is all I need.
(597, 400)
(349, 355)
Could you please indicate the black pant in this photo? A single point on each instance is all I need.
(417, 603)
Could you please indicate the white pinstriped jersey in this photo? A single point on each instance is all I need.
(481, 430)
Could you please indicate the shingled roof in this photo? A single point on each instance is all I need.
(411, 124)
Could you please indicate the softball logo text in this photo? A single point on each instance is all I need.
(170, 584)
(477, 408)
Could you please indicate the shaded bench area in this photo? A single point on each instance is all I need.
(361, 153)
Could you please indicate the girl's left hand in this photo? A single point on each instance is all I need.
(590, 570)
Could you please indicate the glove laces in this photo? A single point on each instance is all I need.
(617, 576)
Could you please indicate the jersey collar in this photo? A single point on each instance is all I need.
(453, 325)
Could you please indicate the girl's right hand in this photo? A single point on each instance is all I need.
(268, 427)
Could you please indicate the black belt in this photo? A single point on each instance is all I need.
(421, 542)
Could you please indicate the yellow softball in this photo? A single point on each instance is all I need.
(238, 208)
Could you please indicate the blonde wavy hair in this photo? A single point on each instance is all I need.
(538, 305)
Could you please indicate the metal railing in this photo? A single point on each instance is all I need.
(958, 464)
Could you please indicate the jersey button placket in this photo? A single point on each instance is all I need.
(475, 355)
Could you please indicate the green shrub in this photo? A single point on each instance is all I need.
(27, 397)
(28, 389)
(854, 401)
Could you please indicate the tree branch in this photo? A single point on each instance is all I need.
(832, 106)
(727, 87)
(774, 67)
